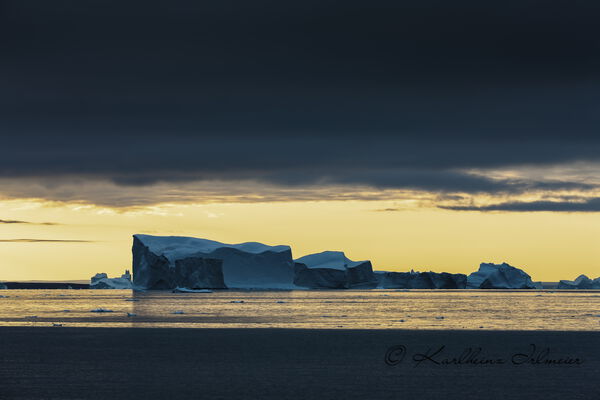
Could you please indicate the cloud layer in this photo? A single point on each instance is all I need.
(43, 241)
(297, 95)
(12, 221)
(583, 205)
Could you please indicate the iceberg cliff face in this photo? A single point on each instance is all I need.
(581, 282)
(245, 265)
(421, 280)
(499, 276)
(102, 281)
(332, 270)
(153, 270)
(446, 280)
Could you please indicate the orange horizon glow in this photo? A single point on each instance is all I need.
(548, 246)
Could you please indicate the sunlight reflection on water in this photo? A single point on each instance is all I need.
(347, 309)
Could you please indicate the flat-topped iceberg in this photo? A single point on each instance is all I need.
(186, 264)
(333, 270)
(102, 281)
(167, 262)
(499, 276)
(420, 280)
(581, 282)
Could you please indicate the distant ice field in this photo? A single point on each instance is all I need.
(333, 309)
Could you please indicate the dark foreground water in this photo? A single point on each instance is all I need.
(372, 309)
(276, 364)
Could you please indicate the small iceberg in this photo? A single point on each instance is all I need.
(129, 314)
(102, 281)
(101, 310)
(581, 282)
(500, 276)
(178, 312)
(333, 270)
(56, 324)
(237, 301)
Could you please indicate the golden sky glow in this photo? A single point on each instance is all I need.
(549, 246)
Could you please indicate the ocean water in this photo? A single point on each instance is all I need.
(347, 309)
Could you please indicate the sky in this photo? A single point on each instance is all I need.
(425, 134)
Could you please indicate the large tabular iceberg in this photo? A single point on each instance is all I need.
(102, 281)
(166, 262)
(169, 262)
(333, 270)
(499, 276)
(581, 282)
(421, 280)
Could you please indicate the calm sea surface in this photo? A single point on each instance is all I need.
(372, 309)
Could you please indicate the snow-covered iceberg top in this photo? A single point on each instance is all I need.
(499, 276)
(102, 281)
(329, 260)
(178, 247)
(581, 282)
(333, 270)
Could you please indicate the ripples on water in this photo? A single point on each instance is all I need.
(348, 309)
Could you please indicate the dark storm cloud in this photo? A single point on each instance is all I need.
(427, 180)
(386, 93)
(587, 205)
